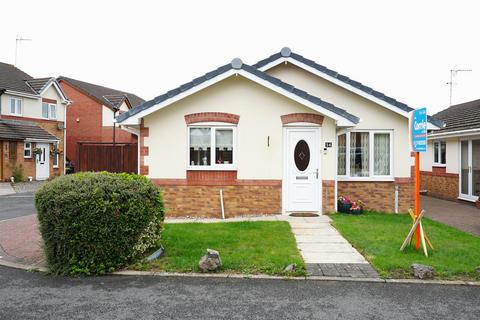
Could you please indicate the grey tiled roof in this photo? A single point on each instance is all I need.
(103, 94)
(12, 78)
(247, 68)
(459, 117)
(377, 94)
(22, 130)
(38, 84)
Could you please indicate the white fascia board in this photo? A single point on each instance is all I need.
(335, 81)
(132, 129)
(53, 82)
(453, 134)
(341, 121)
(41, 140)
(22, 94)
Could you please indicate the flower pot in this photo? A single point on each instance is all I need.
(356, 211)
(344, 207)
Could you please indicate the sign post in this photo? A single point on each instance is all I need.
(418, 143)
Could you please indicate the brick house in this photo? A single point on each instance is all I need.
(284, 135)
(90, 116)
(451, 167)
(32, 125)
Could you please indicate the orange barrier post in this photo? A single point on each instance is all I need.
(417, 198)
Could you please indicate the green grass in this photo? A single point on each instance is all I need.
(245, 247)
(379, 237)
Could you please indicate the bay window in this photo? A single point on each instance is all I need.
(439, 153)
(211, 147)
(365, 154)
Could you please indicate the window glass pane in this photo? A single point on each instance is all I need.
(19, 106)
(381, 149)
(56, 156)
(27, 150)
(342, 155)
(200, 144)
(45, 110)
(53, 111)
(359, 154)
(464, 167)
(223, 146)
(435, 152)
(443, 152)
(13, 108)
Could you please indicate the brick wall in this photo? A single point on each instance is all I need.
(438, 183)
(88, 112)
(328, 196)
(204, 201)
(380, 196)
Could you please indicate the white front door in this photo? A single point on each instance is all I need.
(302, 170)
(43, 162)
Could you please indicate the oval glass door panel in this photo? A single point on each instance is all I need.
(302, 155)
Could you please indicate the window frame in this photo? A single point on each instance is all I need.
(49, 110)
(371, 164)
(214, 166)
(439, 153)
(29, 149)
(17, 102)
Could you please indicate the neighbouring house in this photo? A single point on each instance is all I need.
(32, 125)
(90, 117)
(283, 135)
(450, 169)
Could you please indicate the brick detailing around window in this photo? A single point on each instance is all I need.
(380, 195)
(302, 117)
(212, 117)
(211, 178)
(144, 132)
(440, 184)
(204, 201)
(328, 196)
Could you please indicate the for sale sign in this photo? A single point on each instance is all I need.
(418, 130)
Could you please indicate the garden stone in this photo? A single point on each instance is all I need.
(477, 269)
(291, 267)
(421, 271)
(210, 262)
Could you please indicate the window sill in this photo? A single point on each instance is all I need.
(439, 165)
(366, 179)
(211, 168)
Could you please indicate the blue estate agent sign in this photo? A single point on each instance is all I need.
(418, 130)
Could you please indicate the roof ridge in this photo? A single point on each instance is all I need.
(93, 84)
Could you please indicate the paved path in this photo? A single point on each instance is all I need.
(17, 205)
(459, 215)
(30, 295)
(6, 188)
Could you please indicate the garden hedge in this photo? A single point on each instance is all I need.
(92, 223)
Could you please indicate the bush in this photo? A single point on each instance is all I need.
(17, 173)
(92, 223)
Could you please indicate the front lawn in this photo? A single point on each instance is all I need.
(379, 237)
(245, 247)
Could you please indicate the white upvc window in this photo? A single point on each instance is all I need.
(16, 106)
(49, 111)
(211, 148)
(439, 153)
(27, 150)
(365, 155)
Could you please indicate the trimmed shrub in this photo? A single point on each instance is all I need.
(92, 223)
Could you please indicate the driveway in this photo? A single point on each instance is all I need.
(17, 205)
(458, 215)
(29, 295)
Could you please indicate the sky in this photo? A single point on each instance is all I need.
(404, 49)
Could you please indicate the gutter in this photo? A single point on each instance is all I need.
(454, 133)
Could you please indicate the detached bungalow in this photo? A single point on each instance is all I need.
(451, 167)
(284, 135)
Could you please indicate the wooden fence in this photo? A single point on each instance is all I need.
(105, 156)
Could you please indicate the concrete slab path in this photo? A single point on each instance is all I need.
(6, 189)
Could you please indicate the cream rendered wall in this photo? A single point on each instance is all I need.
(372, 116)
(452, 156)
(32, 108)
(259, 109)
